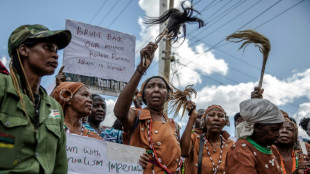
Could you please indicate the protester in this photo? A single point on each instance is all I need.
(197, 125)
(3, 69)
(137, 99)
(97, 115)
(74, 97)
(206, 152)
(287, 150)
(258, 131)
(237, 119)
(32, 139)
(149, 128)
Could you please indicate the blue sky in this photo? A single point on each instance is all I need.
(223, 75)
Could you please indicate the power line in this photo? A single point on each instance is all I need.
(214, 46)
(210, 19)
(280, 14)
(99, 9)
(229, 21)
(115, 19)
(107, 14)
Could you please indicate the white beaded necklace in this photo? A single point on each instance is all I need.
(215, 168)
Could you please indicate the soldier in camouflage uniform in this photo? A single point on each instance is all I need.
(32, 139)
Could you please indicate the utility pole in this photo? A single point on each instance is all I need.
(165, 46)
(168, 50)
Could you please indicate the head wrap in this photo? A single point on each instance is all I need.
(212, 107)
(64, 92)
(217, 107)
(257, 111)
(169, 89)
(288, 119)
(61, 37)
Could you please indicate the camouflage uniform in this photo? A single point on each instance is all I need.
(23, 150)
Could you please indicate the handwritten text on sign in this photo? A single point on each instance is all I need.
(89, 155)
(99, 52)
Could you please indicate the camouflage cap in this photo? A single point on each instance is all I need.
(61, 37)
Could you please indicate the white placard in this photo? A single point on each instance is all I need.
(99, 52)
(89, 155)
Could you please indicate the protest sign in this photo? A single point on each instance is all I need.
(103, 59)
(89, 155)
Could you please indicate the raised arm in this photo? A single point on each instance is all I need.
(186, 137)
(122, 107)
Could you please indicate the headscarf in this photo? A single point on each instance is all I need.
(217, 107)
(64, 92)
(257, 111)
(212, 107)
(288, 119)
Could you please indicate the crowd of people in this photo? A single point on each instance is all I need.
(33, 125)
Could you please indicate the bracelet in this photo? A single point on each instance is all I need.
(140, 72)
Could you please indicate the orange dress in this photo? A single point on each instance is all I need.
(289, 166)
(164, 140)
(191, 164)
(244, 158)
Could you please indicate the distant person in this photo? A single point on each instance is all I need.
(137, 99)
(197, 125)
(237, 119)
(32, 139)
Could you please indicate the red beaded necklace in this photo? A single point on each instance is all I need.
(149, 133)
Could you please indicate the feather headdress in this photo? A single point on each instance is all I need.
(179, 98)
(261, 41)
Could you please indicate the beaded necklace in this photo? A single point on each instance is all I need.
(70, 131)
(295, 161)
(215, 168)
(158, 160)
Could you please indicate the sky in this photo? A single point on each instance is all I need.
(220, 73)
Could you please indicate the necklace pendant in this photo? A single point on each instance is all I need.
(214, 150)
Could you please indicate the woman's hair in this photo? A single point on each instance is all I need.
(17, 67)
(304, 123)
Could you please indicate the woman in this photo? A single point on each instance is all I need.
(31, 122)
(206, 152)
(289, 157)
(97, 116)
(149, 128)
(259, 130)
(74, 97)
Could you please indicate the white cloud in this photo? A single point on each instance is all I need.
(303, 111)
(5, 62)
(110, 117)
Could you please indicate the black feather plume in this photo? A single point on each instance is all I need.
(177, 19)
